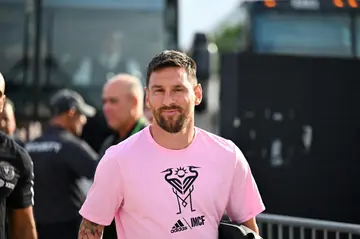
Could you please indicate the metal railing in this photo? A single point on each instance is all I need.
(286, 227)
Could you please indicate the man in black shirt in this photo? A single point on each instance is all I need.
(123, 109)
(61, 160)
(16, 185)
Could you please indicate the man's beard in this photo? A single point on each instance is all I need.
(173, 124)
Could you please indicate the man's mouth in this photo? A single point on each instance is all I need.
(170, 112)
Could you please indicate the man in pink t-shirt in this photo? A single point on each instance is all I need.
(171, 180)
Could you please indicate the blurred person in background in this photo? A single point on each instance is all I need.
(61, 161)
(110, 60)
(123, 109)
(16, 185)
(8, 121)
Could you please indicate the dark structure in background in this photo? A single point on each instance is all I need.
(48, 45)
(307, 179)
(292, 106)
(201, 55)
(328, 28)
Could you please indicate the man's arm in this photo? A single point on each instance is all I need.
(245, 202)
(22, 224)
(252, 225)
(104, 198)
(90, 229)
(21, 201)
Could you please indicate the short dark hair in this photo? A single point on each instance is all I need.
(171, 58)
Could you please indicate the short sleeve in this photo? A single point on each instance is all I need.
(23, 194)
(245, 201)
(106, 193)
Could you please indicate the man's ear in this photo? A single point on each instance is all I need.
(147, 97)
(198, 94)
(134, 100)
(71, 112)
(2, 103)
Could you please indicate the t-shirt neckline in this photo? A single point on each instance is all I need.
(158, 146)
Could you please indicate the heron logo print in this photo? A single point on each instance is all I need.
(182, 182)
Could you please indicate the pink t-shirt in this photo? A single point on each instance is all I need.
(159, 193)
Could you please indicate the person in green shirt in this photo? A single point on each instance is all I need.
(123, 107)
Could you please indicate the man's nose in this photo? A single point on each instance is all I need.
(3, 123)
(106, 107)
(168, 99)
(83, 119)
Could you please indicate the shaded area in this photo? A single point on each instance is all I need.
(269, 100)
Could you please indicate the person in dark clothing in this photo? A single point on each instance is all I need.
(123, 109)
(96, 131)
(61, 161)
(16, 186)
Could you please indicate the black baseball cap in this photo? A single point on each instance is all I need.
(67, 99)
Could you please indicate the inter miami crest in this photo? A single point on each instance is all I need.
(7, 171)
(182, 181)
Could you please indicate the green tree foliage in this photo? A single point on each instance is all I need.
(228, 38)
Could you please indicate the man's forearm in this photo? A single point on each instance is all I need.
(22, 224)
(26, 232)
(252, 225)
(89, 229)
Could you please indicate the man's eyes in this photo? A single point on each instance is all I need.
(176, 90)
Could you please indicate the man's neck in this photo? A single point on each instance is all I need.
(58, 123)
(176, 141)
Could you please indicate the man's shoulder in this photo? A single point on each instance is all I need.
(129, 145)
(9, 146)
(223, 148)
(73, 142)
(56, 143)
(11, 151)
(216, 142)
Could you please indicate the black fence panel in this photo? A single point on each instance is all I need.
(298, 124)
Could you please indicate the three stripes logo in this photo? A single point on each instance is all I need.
(178, 227)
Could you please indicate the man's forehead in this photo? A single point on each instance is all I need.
(169, 77)
(113, 93)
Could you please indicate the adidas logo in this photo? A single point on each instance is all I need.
(178, 227)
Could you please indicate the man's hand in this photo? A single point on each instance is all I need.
(22, 224)
(90, 230)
